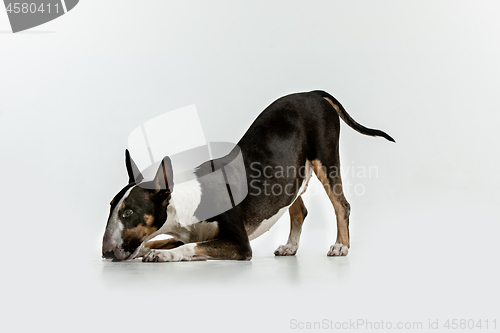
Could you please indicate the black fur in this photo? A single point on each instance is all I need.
(292, 130)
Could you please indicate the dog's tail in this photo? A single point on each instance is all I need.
(348, 120)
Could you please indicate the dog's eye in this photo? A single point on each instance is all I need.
(128, 212)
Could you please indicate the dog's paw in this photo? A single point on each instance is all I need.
(286, 250)
(142, 252)
(160, 256)
(338, 250)
(181, 253)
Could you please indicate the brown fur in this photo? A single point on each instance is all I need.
(164, 244)
(149, 219)
(298, 210)
(335, 193)
(222, 249)
(297, 213)
(138, 233)
(333, 104)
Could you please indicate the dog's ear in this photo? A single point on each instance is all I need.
(163, 181)
(134, 175)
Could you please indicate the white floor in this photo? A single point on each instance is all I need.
(405, 267)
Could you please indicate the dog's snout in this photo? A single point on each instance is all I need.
(109, 255)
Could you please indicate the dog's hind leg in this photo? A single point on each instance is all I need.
(332, 183)
(298, 213)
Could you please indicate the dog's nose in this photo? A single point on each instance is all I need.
(108, 255)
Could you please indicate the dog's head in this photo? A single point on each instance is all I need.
(137, 211)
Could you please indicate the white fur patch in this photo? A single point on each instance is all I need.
(267, 224)
(338, 250)
(184, 201)
(115, 226)
(181, 253)
(287, 250)
(291, 247)
(203, 231)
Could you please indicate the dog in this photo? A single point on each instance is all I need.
(296, 132)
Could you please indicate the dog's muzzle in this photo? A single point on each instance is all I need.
(108, 255)
(115, 254)
(112, 251)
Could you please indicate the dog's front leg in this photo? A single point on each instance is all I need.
(213, 249)
(165, 244)
(182, 253)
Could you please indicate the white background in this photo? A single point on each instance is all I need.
(424, 232)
